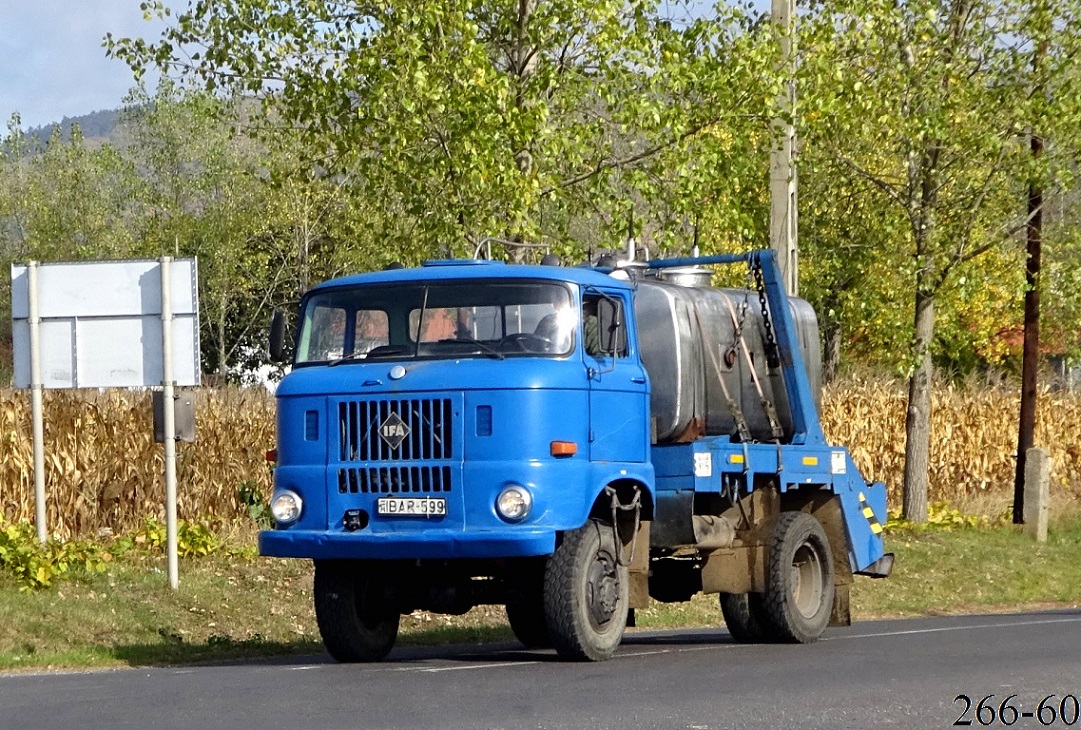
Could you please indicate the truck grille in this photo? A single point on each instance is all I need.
(394, 479)
(395, 430)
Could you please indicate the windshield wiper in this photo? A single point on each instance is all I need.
(345, 358)
(470, 341)
(420, 323)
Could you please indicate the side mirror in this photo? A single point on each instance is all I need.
(613, 331)
(277, 336)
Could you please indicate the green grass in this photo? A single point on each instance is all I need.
(237, 605)
(974, 570)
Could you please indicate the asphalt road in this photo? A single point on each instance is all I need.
(875, 674)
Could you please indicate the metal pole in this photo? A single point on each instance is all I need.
(36, 388)
(168, 419)
(783, 222)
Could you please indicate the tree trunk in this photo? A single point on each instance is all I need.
(523, 68)
(831, 333)
(923, 184)
(918, 419)
(223, 352)
(831, 360)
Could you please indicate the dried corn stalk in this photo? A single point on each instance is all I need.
(103, 469)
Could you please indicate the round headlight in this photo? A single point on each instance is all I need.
(514, 503)
(286, 507)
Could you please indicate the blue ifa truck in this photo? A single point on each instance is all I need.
(569, 443)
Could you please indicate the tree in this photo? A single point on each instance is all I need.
(928, 101)
(475, 118)
(203, 199)
(67, 201)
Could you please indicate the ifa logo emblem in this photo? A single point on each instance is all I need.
(393, 431)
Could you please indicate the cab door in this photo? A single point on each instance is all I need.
(618, 385)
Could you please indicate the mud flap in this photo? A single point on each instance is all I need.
(842, 610)
(735, 570)
(638, 570)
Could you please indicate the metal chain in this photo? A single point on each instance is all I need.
(773, 360)
(744, 306)
(617, 506)
(731, 488)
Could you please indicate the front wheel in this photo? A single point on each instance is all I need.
(356, 621)
(586, 594)
(799, 582)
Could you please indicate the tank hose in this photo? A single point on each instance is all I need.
(737, 415)
(767, 405)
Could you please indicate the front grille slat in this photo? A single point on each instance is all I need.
(394, 480)
(428, 444)
(369, 464)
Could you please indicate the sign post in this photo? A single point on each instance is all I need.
(107, 324)
(169, 418)
(37, 419)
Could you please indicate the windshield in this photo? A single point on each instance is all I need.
(437, 320)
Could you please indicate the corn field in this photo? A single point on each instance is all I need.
(973, 436)
(103, 469)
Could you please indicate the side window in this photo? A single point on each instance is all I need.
(603, 327)
(327, 338)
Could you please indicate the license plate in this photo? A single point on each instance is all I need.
(406, 506)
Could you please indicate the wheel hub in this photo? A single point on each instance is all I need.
(806, 581)
(603, 590)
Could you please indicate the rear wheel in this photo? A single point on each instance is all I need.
(586, 594)
(799, 584)
(355, 619)
(744, 616)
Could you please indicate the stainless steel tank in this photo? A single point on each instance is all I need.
(687, 338)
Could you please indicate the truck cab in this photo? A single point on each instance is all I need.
(473, 432)
(446, 413)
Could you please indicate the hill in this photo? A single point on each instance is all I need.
(95, 125)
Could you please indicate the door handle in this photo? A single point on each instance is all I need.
(638, 379)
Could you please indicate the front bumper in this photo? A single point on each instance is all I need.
(429, 544)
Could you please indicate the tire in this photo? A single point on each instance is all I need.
(744, 617)
(586, 594)
(799, 583)
(526, 619)
(355, 620)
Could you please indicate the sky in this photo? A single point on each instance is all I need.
(52, 63)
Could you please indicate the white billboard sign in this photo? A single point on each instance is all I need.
(101, 325)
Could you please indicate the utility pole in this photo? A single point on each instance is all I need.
(1030, 349)
(783, 220)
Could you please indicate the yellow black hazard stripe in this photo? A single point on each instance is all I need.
(869, 514)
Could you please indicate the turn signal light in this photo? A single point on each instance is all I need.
(564, 448)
